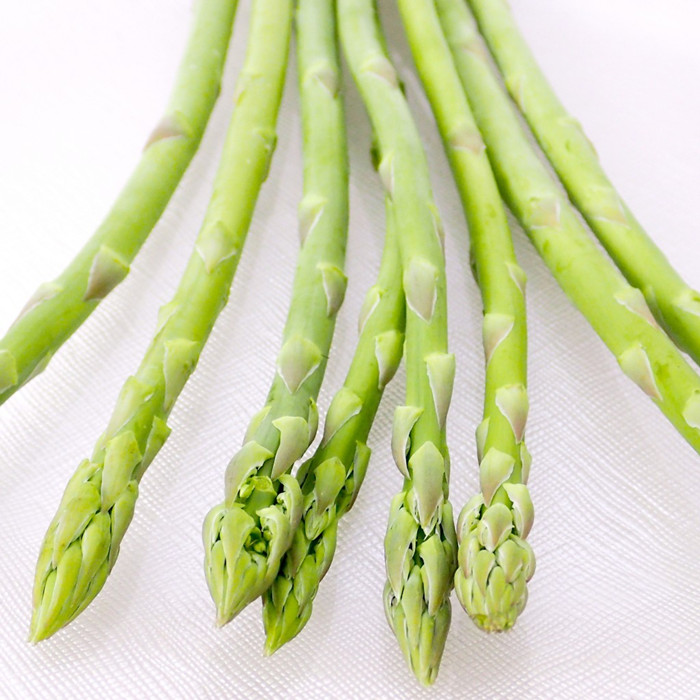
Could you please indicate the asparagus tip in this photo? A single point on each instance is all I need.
(272, 645)
(42, 626)
(36, 635)
(222, 618)
(420, 632)
(283, 623)
(494, 623)
(495, 564)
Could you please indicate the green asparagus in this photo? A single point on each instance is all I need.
(331, 479)
(82, 542)
(495, 562)
(420, 543)
(616, 311)
(246, 536)
(58, 308)
(675, 305)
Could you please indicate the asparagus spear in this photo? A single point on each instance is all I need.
(616, 311)
(82, 542)
(58, 308)
(675, 305)
(246, 535)
(331, 479)
(495, 562)
(420, 543)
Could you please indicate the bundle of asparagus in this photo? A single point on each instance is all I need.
(274, 535)
(420, 546)
(58, 308)
(495, 561)
(246, 536)
(82, 542)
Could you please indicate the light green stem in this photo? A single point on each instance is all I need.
(420, 543)
(82, 542)
(58, 308)
(331, 479)
(675, 305)
(495, 562)
(246, 535)
(617, 311)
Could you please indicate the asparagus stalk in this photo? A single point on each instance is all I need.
(246, 535)
(58, 308)
(617, 311)
(675, 305)
(420, 543)
(495, 561)
(330, 480)
(82, 542)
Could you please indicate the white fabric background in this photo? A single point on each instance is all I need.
(615, 603)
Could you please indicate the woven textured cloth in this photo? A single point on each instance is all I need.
(614, 605)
